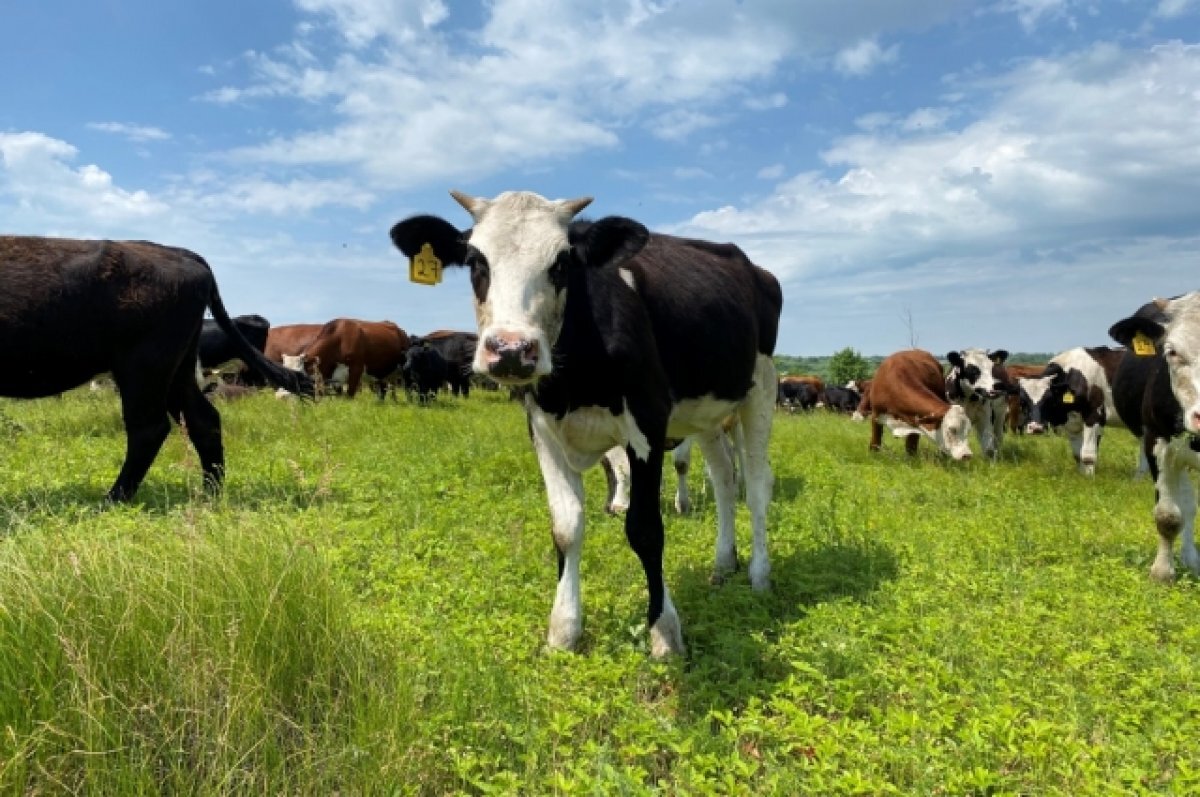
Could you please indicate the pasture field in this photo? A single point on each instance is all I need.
(363, 611)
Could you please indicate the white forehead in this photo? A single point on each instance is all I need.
(1183, 330)
(979, 359)
(519, 226)
(956, 418)
(1035, 388)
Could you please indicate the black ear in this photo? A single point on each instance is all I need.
(1124, 331)
(953, 389)
(1076, 382)
(447, 242)
(998, 356)
(610, 241)
(955, 359)
(1055, 372)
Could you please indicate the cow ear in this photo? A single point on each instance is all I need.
(447, 242)
(1076, 382)
(610, 241)
(998, 356)
(953, 389)
(1127, 329)
(1054, 371)
(955, 359)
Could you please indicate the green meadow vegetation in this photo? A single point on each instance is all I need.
(363, 611)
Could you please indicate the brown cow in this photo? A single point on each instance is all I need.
(289, 339)
(908, 393)
(375, 348)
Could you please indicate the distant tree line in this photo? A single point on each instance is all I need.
(846, 364)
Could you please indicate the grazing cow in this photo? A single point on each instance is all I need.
(457, 350)
(841, 399)
(217, 348)
(793, 395)
(71, 309)
(977, 382)
(371, 348)
(908, 393)
(290, 339)
(424, 371)
(626, 338)
(1074, 393)
(1018, 404)
(1157, 395)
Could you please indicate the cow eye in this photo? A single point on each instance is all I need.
(481, 275)
(558, 270)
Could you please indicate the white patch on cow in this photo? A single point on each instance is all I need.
(293, 362)
(521, 234)
(618, 460)
(953, 432)
(627, 276)
(341, 373)
(696, 416)
(666, 636)
(586, 433)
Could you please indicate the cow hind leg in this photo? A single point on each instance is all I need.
(616, 472)
(144, 409)
(681, 458)
(203, 425)
(911, 442)
(720, 471)
(757, 415)
(644, 530)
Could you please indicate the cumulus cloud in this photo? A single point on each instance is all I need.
(864, 56)
(1169, 9)
(137, 133)
(361, 22)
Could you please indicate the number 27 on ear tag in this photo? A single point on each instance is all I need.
(1142, 345)
(425, 268)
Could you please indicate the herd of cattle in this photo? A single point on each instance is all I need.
(616, 340)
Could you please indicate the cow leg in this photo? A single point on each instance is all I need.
(616, 471)
(354, 379)
(876, 434)
(564, 491)
(144, 409)
(1174, 511)
(911, 442)
(1088, 448)
(756, 415)
(681, 457)
(720, 472)
(999, 417)
(644, 530)
(736, 440)
(203, 425)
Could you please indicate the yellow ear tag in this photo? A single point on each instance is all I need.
(1142, 345)
(1068, 397)
(424, 268)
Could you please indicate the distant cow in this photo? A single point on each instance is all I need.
(797, 394)
(1018, 404)
(1074, 393)
(627, 338)
(977, 382)
(72, 309)
(1157, 394)
(457, 350)
(841, 399)
(290, 339)
(908, 393)
(864, 400)
(364, 348)
(217, 348)
(424, 371)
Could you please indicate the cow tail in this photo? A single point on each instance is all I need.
(277, 375)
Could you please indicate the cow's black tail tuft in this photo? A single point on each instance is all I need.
(277, 375)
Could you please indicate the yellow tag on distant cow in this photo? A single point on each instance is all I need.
(1142, 345)
(425, 268)
(1068, 397)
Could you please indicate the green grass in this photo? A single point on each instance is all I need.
(363, 611)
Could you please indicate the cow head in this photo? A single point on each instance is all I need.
(522, 252)
(1173, 327)
(1052, 397)
(953, 433)
(972, 375)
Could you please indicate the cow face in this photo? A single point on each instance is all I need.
(953, 432)
(1052, 397)
(1173, 327)
(521, 252)
(972, 375)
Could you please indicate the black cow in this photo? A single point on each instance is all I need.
(72, 309)
(1156, 391)
(626, 338)
(217, 348)
(424, 371)
(457, 350)
(840, 399)
(797, 395)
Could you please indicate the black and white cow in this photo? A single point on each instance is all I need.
(72, 309)
(976, 382)
(1074, 393)
(1157, 394)
(626, 338)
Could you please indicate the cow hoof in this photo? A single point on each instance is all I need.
(616, 509)
(683, 507)
(760, 576)
(565, 633)
(666, 637)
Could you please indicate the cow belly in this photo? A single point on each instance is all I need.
(586, 433)
(47, 381)
(695, 416)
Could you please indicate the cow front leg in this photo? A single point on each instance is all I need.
(724, 482)
(616, 472)
(1089, 448)
(644, 530)
(564, 492)
(757, 416)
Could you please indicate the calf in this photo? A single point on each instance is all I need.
(1073, 393)
(908, 393)
(626, 338)
(1157, 394)
(71, 309)
(841, 399)
(977, 382)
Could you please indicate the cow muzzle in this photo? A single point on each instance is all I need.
(510, 357)
(1033, 427)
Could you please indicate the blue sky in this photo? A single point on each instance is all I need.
(997, 173)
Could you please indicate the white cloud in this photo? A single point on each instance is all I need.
(1031, 12)
(361, 22)
(138, 133)
(772, 172)
(767, 102)
(926, 119)
(1169, 9)
(864, 56)
(678, 124)
(691, 173)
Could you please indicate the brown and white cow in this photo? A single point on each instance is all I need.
(976, 381)
(71, 309)
(1074, 393)
(289, 339)
(359, 348)
(1157, 395)
(625, 337)
(1018, 411)
(908, 394)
